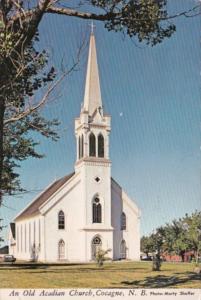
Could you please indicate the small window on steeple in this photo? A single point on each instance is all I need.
(82, 145)
(92, 145)
(79, 147)
(100, 145)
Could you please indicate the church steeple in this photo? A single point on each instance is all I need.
(92, 95)
(92, 128)
(92, 131)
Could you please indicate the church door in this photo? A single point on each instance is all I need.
(96, 245)
(61, 250)
(123, 249)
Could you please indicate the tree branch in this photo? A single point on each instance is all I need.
(42, 102)
(109, 15)
(79, 14)
(31, 109)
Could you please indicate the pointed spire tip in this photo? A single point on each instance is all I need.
(92, 27)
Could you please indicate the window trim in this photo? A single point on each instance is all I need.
(96, 211)
(123, 221)
(92, 145)
(101, 146)
(61, 220)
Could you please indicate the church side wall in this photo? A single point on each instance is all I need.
(29, 239)
(132, 233)
(73, 207)
(116, 220)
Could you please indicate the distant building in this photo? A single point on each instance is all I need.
(87, 209)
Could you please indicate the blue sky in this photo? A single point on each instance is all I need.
(153, 96)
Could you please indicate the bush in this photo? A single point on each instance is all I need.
(101, 256)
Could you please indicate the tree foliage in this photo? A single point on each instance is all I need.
(21, 117)
(178, 237)
(101, 256)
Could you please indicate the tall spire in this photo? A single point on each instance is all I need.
(92, 95)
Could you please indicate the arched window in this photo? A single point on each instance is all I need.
(79, 147)
(82, 145)
(123, 250)
(92, 145)
(95, 246)
(61, 250)
(100, 145)
(97, 213)
(61, 220)
(123, 221)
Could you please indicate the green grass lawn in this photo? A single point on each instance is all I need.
(112, 275)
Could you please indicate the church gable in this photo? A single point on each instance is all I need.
(125, 198)
(69, 188)
(33, 208)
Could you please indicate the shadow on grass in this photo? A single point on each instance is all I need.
(161, 281)
(80, 270)
(58, 268)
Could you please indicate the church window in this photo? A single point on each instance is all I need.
(30, 237)
(82, 145)
(92, 145)
(100, 145)
(21, 237)
(79, 147)
(34, 232)
(61, 250)
(39, 233)
(95, 246)
(123, 221)
(97, 179)
(17, 238)
(97, 213)
(123, 250)
(25, 238)
(61, 220)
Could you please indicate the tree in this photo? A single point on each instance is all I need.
(23, 112)
(177, 237)
(1, 228)
(146, 245)
(22, 116)
(19, 22)
(192, 230)
(184, 235)
(101, 256)
(158, 242)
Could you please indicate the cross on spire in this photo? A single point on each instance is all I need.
(92, 27)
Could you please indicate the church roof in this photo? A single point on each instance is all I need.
(33, 208)
(92, 95)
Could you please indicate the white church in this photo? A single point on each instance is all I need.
(86, 210)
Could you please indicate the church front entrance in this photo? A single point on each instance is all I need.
(95, 246)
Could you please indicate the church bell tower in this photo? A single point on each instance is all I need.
(92, 130)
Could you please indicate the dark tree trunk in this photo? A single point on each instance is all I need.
(2, 110)
(182, 254)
